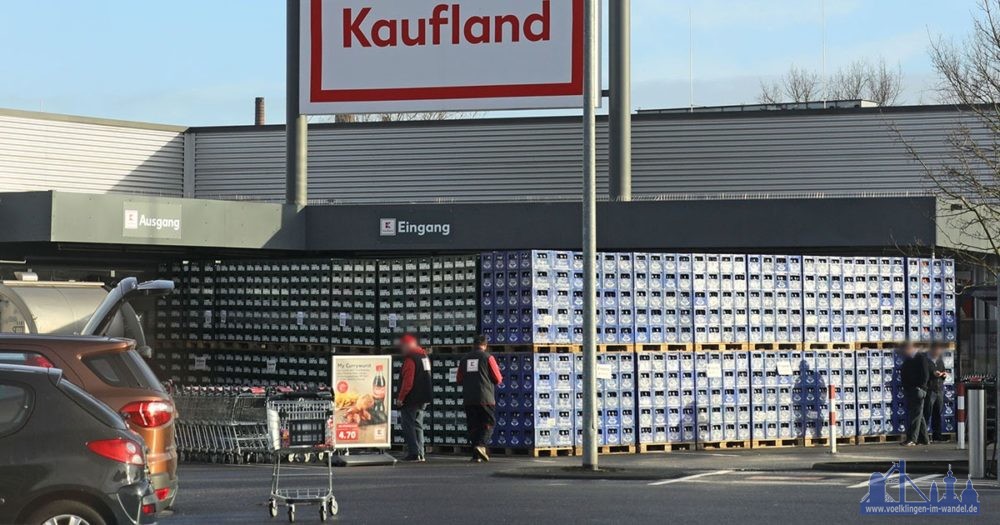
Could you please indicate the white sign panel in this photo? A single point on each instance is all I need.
(371, 56)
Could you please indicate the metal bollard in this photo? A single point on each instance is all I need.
(977, 432)
(960, 415)
(833, 418)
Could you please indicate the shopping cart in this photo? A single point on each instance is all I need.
(221, 424)
(300, 424)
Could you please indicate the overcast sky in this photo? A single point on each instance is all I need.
(202, 62)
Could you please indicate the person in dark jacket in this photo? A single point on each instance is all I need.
(479, 374)
(932, 407)
(915, 372)
(415, 393)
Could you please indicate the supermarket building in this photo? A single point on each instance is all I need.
(83, 196)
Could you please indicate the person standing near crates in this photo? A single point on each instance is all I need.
(415, 393)
(479, 375)
(932, 408)
(915, 373)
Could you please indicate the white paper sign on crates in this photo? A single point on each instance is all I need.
(374, 56)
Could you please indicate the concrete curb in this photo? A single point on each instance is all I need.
(607, 474)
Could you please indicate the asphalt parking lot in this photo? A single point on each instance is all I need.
(450, 490)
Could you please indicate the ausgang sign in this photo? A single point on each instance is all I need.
(364, 56)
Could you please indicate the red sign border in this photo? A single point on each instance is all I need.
(318, 95)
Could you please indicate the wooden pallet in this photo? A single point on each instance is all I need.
(880, 439)
(449, 350)
(353, 350)
(507, 451)
(537, 349)
(829, 345)
(646, 448)
(610, 449)
(925, 345)
(775, 347)
(550, 452)
(723, 445)
(825, 441)
(876, 345)
(774, 443)
(616, 348)
(664, 347)
(720, 347)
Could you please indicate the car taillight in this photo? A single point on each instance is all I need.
(148, 414)
(39, 361)
(149, 509)
(162, 494)
(120, 450)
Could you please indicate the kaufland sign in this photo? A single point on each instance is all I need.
(364, 56)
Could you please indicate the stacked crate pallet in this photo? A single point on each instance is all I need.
(616, 400)
(818, 367)
(454, 300)
(720, 298)
(353, 288)
(772, 384)
(447, 417)
(404, 298)
(775, 298)
(930, 293)
(723, 403)
(535, 404)
(616, 305)
(665, 389)
(527, 297)
(663, 298)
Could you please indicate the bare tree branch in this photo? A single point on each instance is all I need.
(969, 180)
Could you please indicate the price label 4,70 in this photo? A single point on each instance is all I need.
(347, 433)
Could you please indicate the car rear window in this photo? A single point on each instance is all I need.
(123, 369)
(15, 405)
(99, 410)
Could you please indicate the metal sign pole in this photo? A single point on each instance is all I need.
(620, 110)
(590, 236)
(296, 125)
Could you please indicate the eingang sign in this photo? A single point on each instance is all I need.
(364, 56)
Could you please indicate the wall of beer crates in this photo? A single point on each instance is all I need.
(273, 322)
(660, 399)
(536, 297)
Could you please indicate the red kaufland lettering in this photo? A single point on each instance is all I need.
(363, 30)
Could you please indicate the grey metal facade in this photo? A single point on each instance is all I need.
(41, 151)
(846, 152)
(792, 153)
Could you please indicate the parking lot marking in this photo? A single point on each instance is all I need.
(689, 478)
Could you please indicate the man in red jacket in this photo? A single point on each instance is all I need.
(479, 375)
(415, 393)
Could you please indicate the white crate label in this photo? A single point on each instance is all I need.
(272, 366)
(452, 375)
(394, 417)
(714, 370)
(223, 315)
(300, 318)
(472, 365)
(200, 362)
(605, 371)
(208, 317)
(784, 368)
(426, 363)
(343, 318)
(392, 320)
